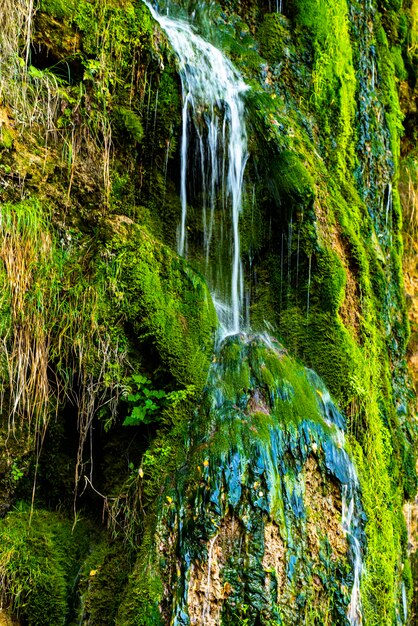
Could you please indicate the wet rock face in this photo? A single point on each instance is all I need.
(207, 589)
(262, 532)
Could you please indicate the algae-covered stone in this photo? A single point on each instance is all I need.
(246, 520)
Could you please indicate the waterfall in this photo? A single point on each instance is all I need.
(213, 110)
(214, 139)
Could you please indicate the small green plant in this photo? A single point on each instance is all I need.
(143, 401)
(16, 472)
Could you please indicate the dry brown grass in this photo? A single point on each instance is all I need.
(25, 347)
(53, 348)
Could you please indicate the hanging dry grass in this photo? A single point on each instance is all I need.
(24, 249)
(53, 348)
(32, 96)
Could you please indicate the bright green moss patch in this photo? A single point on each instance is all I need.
(6, 137)
(165, 302)
(103, 579)
(39, 559)
(293, 180)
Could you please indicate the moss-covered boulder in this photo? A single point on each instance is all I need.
(255, 529)
(164, 304)
(40, 556)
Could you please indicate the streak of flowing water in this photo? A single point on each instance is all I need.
(404, 604)
(309, 287)
(350, 513)
(349, 523)
(206, 606)
(289, 256)
(388, 202)
(213, 110)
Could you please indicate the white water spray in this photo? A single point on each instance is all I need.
(404, 604)
(213, 108)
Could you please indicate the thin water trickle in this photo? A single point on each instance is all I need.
(289, 257)
(206, 606)
(404, 604)
(388, 202)
(214, 108)
(155, 114)
(148, 105)
(350, 514)
(281, 271)
(349, 522)
(167, 154)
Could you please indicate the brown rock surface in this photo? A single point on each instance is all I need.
(206, 588)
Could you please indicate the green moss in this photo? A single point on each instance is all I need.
(166, 303)
(58, 8)
(271, 34)
(390, 98)
(324, 344)
(103, 579)
(312, 15)
(329, 282)
(131, 123)
(144, 592)
(293, 179)
(39, 560)
(6, 138)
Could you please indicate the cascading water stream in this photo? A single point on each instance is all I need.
(213, 107)
(213, 119)
(350, 520)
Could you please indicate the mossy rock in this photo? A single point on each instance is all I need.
(292, 179)
(263, 464)
(165, 303)
(271, 35)
(103, 579)
(39, 560)
(324, 344)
